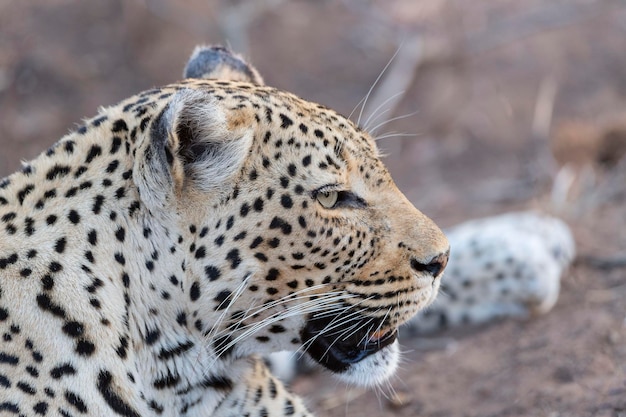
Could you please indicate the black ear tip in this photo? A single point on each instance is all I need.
(212, 50)
(204, 60)
(218, 62)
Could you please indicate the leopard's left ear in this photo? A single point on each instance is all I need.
(220, 63)
(193, 142)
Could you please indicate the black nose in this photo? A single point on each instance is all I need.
(434, 267)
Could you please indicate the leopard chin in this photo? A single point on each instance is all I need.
(374, 369)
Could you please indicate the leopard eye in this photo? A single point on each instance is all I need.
(328, 199)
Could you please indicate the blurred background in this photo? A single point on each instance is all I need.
(487, 106)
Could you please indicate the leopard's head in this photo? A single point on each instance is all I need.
(301, 240)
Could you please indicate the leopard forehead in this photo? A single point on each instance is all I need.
(287, 130)
(283, 121)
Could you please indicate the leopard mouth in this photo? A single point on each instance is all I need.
(336, 346)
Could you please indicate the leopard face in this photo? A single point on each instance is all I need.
(309, 245)
(303, 241)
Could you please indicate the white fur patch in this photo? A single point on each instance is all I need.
(374, 369)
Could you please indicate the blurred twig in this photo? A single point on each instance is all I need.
(605, 264)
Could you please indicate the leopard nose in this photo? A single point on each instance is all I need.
(434, 266)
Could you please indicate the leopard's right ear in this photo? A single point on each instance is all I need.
(220, 63)
(194, 142)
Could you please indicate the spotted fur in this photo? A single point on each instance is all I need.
(150, 255)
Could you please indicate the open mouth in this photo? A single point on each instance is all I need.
(336, 345)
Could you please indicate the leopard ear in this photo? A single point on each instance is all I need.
(220, 63)
(193, 143)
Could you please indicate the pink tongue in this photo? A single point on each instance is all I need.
(377, 335)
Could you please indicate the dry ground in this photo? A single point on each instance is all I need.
(491, 81)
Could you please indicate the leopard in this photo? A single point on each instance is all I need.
(155, 253)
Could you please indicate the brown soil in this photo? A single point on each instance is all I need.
(495, 75)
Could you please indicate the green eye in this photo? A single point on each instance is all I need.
(328, 199)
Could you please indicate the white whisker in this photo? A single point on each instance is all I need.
(395, 134)
(235, 295)
(282, 300)
(374, 85)
(298, 310)
(328, 327)
(381, 124)
(375, 116)
(355, 107)
(356, 327)
(381, 322)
